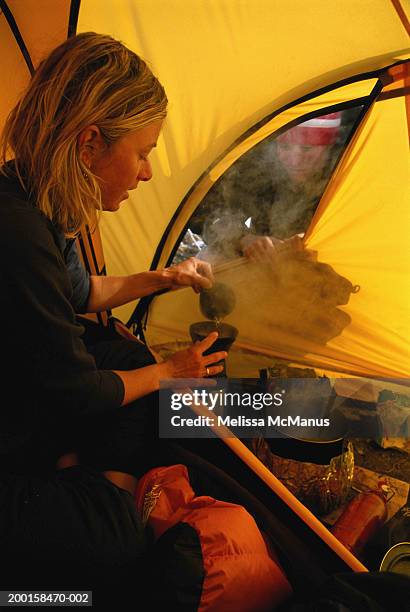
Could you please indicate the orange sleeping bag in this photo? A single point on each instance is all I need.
(239, 570)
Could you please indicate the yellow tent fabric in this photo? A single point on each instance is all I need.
(41, 26)
(363, 229)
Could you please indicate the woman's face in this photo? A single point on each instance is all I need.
(120, 167)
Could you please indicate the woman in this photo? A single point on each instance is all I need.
(79, 140)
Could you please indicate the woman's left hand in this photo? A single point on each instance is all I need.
(191, 273)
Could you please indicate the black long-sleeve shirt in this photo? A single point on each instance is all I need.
(50, 381)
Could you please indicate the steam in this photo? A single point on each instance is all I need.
(273, 190)
(258, 195)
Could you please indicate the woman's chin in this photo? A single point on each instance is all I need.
(112, 206)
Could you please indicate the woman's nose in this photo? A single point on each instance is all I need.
(145, 173)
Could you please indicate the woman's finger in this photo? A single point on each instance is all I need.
(214, 357)
(207, 342)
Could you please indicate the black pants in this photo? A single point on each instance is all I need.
(73, 526)
(73, 529)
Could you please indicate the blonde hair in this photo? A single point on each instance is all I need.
(89, 79)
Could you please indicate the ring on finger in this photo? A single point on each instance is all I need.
(207, 370)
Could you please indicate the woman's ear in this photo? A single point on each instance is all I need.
(90, 144)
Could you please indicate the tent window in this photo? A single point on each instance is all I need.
(272, 190)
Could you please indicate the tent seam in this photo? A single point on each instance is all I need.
(17, 35)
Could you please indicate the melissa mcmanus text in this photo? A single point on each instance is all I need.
(242, 421)
(276, 421)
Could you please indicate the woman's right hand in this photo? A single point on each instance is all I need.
(192, 363)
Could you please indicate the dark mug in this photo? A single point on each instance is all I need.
(227, 336)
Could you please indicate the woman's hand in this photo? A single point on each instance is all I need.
(192, 363)
(108, 292)
(189, 363)
(190, 273)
